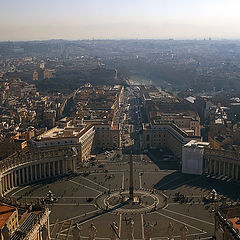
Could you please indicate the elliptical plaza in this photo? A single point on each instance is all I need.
(101, 194)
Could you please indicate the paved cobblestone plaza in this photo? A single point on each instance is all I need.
(98, 194)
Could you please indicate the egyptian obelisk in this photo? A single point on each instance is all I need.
(131, 179)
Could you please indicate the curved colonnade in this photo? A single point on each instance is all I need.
(32, 166)
(35, 164)
(222, 163)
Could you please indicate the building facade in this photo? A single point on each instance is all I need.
(165, 135)
(192, 157)
(106, 136)
(66, 136)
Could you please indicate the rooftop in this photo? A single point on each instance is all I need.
(196, 144)
(5, 213)
(236, 223)
(64, 132)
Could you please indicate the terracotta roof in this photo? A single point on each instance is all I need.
(236, 223)
(5, 213)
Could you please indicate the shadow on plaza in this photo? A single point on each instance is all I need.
(228, 188)
(102, 212)
(45, 182)
(158, 158)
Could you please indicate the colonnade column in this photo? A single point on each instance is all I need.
(15, 178)
(27, 174)
(211, 166)
(207, 166)
(12, 179)
(31, 174)
(23, 173)
(64, 166)
(229, 170)
(35, 170)
(224, 168)
(232, 171)
(215, 167)
(58, 167)
(236, 171)
(5, 183)
(53, 168)
(44, 170)
(66, 169)
(39, 170)
(9, 181)
(17, 181)
(49, 170)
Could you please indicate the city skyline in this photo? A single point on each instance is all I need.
(28, 20)
(112, 129)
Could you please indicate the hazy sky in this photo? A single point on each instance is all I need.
(120, 19)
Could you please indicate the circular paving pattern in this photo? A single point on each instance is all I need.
(143, 202)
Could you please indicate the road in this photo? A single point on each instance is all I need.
(132, 121)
